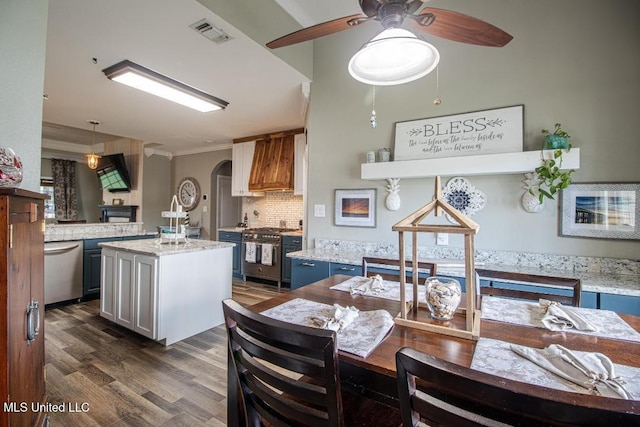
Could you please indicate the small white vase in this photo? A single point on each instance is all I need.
(531, 202)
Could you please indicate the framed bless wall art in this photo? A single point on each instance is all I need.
(356, 208)
(499, 130)
(607, 211)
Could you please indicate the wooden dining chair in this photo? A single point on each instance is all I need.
(564, 290)
(288, 375)
(394, 273)
(447, 394)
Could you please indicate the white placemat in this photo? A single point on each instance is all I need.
(496, 357)
(391, 289)
(361, 337)
(528, 313)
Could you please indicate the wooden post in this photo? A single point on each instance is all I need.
(403, 293)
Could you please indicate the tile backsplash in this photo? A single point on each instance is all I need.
(274, 207)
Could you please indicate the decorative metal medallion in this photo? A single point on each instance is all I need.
(460, 194)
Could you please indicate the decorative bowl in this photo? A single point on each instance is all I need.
(10, 168)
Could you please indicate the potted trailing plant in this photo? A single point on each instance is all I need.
(553, 178)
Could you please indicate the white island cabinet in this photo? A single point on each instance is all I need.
(166, 292)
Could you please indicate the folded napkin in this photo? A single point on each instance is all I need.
(339, 319)
(593, 371)
(558, 317)
(372, 285)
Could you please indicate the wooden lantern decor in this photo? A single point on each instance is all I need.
(465, 226)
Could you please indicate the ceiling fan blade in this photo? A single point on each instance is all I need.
(461, 28)
(319, 30)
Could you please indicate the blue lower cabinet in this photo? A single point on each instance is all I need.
(234, 237)
(304, 272)
(348, 269)
(589, 299)
(92, 262)
(625, 304)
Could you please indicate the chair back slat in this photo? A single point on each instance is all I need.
(296, 362)
(394, 274)
(287, 374)
(442, 393)
(568, 290)
(314, 393)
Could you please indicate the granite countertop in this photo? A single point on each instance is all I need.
(621, 284)
(241, 229)
(66, 232)
(232, 229)
(152, 247)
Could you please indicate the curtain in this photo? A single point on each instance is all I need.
(64, 188)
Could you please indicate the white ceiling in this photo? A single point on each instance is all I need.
(264, 93)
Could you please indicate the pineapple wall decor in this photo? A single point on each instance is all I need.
(392, 201)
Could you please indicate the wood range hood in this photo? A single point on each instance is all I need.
(273, 160)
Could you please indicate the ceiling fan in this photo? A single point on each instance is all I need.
(392, 13)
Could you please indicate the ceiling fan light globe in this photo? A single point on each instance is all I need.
(393, 57)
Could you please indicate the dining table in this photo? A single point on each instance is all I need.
(374, 376)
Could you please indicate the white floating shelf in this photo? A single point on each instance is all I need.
(486, 164)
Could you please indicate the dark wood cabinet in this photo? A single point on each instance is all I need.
(22, 307)
(272, 167)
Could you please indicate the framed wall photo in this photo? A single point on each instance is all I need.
(356, 208)
(606, 211)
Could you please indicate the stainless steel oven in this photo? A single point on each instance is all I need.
(261, 254)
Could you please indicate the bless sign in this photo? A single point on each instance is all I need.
(481, 132)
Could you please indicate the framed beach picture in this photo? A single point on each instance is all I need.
(356, 208)
(607, 210)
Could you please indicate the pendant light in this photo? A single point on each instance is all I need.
(92, 159)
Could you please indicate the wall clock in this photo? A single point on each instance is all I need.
(189, 193)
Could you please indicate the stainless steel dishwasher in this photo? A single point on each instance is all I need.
(62, 271)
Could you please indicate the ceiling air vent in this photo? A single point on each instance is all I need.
(214, 34)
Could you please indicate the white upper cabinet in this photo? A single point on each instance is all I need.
(242, 158)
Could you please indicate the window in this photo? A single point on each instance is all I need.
(46, 187)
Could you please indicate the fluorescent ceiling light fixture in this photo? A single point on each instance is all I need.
(147, 80)
(393, 57)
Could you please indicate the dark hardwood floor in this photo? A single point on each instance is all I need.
(110, 376)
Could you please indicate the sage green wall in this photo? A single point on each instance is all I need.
(23, 32)
(199, 166)
(572, 61)
(156, 191)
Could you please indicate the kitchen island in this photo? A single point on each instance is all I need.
(166, 292)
